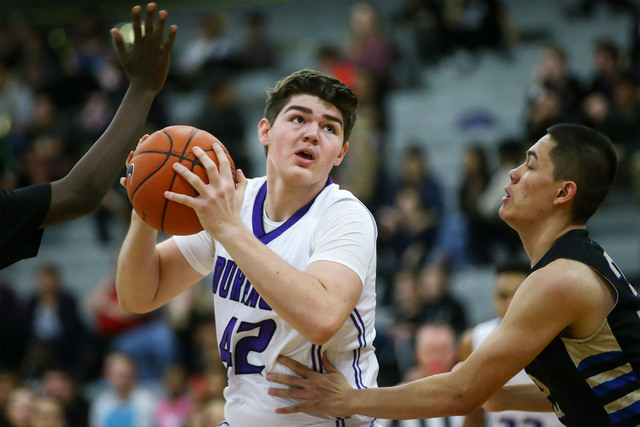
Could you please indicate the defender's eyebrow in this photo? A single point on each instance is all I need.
(532, 154)
(308, 110)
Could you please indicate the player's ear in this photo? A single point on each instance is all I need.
(263, 131)
(566, 192)
(343, 151)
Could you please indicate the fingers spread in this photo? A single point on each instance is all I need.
(180, 198)
(173, 30)
(296, 367)
(151, 19)
(299, 407)
(118, 41)
(328, 366)
(289, 380)
(191, 177)
(208, 164)
(137, 26)
(159, 29)
(223, 161)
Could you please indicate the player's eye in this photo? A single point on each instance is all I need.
(297, 119)
(330, 128)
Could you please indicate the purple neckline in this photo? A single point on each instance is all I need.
(258, 206)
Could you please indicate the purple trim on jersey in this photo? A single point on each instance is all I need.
(316, 357)
(362, 340)
(256, 219)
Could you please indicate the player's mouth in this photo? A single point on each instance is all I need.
(507, 196)
(306, 154)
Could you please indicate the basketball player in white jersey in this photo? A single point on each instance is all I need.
(509, 275)
(292, 255)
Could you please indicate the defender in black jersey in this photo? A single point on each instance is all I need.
(574, 323)
(25, 212)
(594, 381)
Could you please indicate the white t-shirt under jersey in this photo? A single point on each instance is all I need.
(334, 227)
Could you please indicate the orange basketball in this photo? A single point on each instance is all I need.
(151, 173)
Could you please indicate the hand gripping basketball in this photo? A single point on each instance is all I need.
(150, 173)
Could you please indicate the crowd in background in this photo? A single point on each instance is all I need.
(58, 92)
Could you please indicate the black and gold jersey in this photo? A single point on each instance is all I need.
(594, 381)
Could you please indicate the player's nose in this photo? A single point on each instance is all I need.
(311, 133)
(514, 176)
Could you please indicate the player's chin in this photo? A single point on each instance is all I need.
(503, 213)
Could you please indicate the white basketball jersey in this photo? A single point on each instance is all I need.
(251, 335)
(512, 418)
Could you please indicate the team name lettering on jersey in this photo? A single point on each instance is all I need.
(229, 282)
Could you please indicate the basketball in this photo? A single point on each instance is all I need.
(151, 173)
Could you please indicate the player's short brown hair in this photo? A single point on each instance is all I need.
(315, 83)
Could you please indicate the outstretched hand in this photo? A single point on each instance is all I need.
(318, 392)
(147, 60)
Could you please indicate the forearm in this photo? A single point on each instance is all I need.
(519, 397)
(436, 395)
(138, 270)
(299, 298)
(83, 188)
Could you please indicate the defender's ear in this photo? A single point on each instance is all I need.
(566, 192)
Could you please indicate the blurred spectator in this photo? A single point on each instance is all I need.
(60, 385)
(16, 98)
(435, 352)
(360, 170)
(54, 327)
(475, 180)
(409, 218)
(369, 46)
(406, 301)
(501, 241)
(209, 378)
(9, 381)
(148, 339)
(256, 50)
(477, 24)
(619, 119)
(210, 413)
(545, 111)
(19, 410)
(175, 407)
(553, 80)
(606, 68)
(222, 117)
(422, 21)
(438, 304)
(48, 412)
(124, 403)
(209, 50)
(332, 61)
(422, 297)
(48, 156)
(586, 8)
(190, 315)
